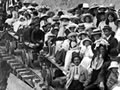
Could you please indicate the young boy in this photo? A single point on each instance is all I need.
(77, 74)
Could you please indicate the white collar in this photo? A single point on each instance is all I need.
(108, 37)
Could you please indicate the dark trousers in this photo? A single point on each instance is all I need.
(60, 56)
(76, 85)
(92, 87)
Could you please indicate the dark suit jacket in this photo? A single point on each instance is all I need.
(113, 43)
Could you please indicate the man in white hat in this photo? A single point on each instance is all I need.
(85, 8)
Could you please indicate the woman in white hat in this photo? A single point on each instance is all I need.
(110, 20)
(87, 20)
(113, 80)
(86, 53)
(73, 46)
(102, 18)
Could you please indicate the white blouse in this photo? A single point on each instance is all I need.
(113, 26)
(117, 35)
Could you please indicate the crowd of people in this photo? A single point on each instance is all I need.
(84, 40)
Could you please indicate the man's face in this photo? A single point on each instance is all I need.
(73, 38)
(107, 32)
(76, 61)
(97, 36)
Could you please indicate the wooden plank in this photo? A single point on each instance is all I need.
(16, 84)
(55, 64)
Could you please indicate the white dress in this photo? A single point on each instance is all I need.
(117, 35)
(113, 26)
(86, 61)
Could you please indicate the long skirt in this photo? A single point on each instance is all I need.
(76, 85)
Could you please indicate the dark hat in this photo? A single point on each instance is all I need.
(75, 54)
(107, 27)
(81, 25)
(113, 52)
(35, 21)
(51, 13)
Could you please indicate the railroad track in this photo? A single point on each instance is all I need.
(24, 73)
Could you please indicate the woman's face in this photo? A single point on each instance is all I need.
(89, 31)
(110, 18)
(76, 61)
(87, 43)
(80, 29)
(72, 29)
(83, 36)
(107, 32)
(87, 19)
(102, 50)
(102, 17)
(96, 37)
(73, 38)
(114, 70)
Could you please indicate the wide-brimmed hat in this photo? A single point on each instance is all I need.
(96, 32)
(86, 15)
(94, 6)
(45, 16)
(56, 28)
(81, 25)
(112, 7)
(34, 4)
(72, 25)
(85, 5)
(83, 33)
(107, 27)
(64, 17)
(102, 7)
(113, 64)
(72, 34)
(90, 27)
(111, 13)
(87, 39)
